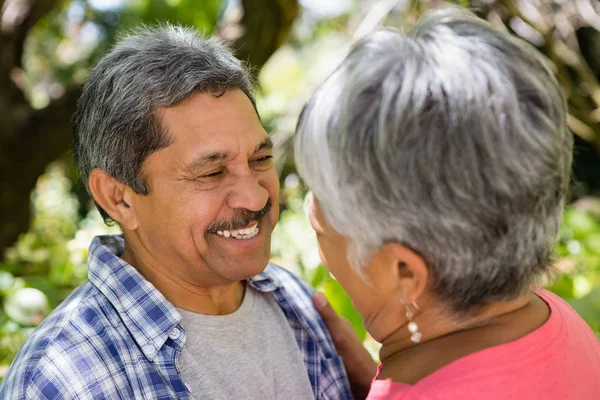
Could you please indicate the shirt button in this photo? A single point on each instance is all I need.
(175, 333)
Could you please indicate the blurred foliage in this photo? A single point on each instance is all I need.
(51, 256)
(48, 262)
(68, 42)
(579, 263)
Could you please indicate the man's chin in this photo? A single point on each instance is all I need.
(245, 269)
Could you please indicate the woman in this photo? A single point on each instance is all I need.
(440, 162)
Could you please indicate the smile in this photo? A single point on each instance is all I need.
(241, 234)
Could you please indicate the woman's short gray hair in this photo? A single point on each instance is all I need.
(451, 140)
(116, 127)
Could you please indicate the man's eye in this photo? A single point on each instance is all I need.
(263, 160)
(212, 174)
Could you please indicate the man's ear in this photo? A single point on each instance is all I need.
(114, 197)
(408, 269)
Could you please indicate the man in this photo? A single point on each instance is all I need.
(184, 304)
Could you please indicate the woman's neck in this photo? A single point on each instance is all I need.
(446, 339)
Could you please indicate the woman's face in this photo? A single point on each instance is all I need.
(370, 290)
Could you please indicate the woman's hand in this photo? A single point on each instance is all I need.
(359, 365)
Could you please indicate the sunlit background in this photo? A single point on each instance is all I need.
(309, 38)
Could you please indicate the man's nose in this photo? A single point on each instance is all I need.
(248, 194)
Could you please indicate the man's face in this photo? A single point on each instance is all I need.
(213, 193)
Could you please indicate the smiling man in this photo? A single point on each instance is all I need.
(185, 303)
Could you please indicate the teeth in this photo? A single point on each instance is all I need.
(243, 234)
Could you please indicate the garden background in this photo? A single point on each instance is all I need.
(48, 46)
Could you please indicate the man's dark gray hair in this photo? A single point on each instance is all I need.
(451, 140)
(116, 126)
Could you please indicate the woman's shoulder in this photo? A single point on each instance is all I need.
(559, 360)
(564, 313)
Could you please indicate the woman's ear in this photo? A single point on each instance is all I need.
(408, 269)
(114, 197)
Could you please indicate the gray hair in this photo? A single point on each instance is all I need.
(451, 140)
(116, 126)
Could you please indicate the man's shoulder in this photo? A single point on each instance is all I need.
(296, 291)
(289, 280)
(296, 297)
(47, 359)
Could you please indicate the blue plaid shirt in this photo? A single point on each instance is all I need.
(117, 337)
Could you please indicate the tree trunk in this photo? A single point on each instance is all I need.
(266, 25)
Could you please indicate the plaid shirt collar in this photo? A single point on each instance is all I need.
(146, 313)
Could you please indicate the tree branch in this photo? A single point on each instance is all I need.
(580, 66)
(48, 131)
(17, 19)
(258, 29)
(35, 11)
(40, 136)
(572, 70)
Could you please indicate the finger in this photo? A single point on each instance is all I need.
(324, 308)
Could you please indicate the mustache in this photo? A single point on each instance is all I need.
(240, 219)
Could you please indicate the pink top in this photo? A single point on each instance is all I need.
(559, 360)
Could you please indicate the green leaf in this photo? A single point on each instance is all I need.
(319, 276)
(342, 305)
(564, 287)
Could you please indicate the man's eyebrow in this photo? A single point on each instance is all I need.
(207, 159)
(266, 144)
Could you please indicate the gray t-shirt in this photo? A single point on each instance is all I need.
(248, 354)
